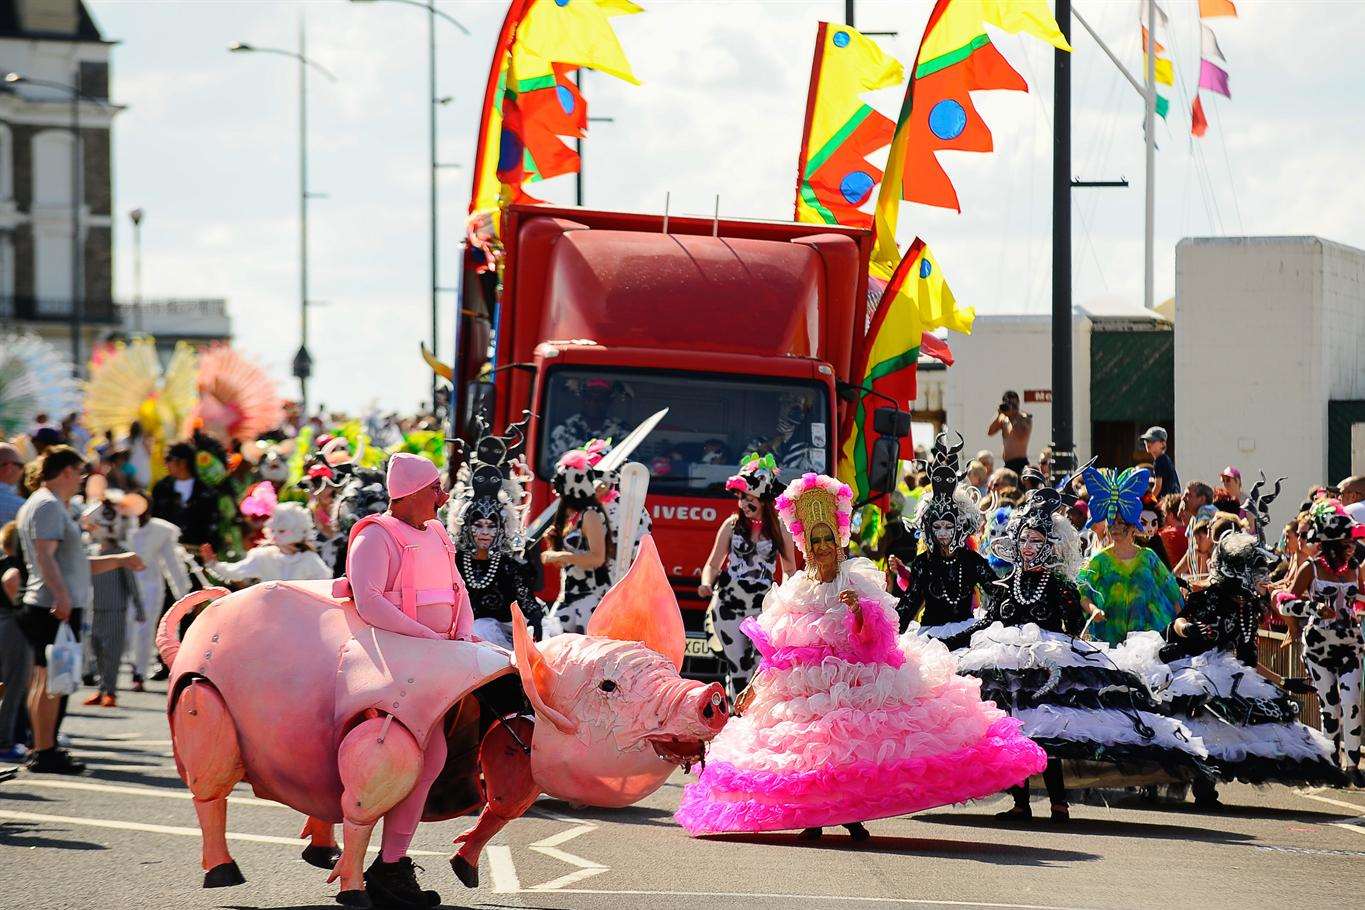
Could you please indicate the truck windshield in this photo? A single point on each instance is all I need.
(712, 422)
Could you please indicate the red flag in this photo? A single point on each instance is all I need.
(936, 347)
(1199, 124)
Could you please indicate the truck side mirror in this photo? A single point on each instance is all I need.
(891, 426)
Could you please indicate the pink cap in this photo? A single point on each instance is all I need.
(1230, 471)
(410, 473)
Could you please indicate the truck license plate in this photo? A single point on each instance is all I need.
(697, 646)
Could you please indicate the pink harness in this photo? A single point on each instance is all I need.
(407, 596)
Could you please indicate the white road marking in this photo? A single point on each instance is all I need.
(825, 898)
(1313, 794)
(169, 829)
(1353, 825)
(549, 846)
(164, 793)
(505, 880)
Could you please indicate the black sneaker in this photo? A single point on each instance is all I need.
(395, 885)
(54, 761)
(161, 675)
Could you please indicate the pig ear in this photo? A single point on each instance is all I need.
(538, 678)
(641, 607)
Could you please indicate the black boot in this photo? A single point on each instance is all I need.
(395, 885)
(321, 857)
(54, 761)
(811, 834)
(857, 833)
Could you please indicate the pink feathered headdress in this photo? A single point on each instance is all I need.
(260, 501)
(796, 513)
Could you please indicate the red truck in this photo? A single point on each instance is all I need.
(740, 328)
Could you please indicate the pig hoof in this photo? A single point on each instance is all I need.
(322, 857)
(467, 874)
(224, 875)
(355, 898)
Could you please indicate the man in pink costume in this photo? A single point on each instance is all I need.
(401, 568)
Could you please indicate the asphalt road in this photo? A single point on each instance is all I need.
(124, 836)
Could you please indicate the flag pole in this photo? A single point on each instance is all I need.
(1063, 442)
(1149, 118)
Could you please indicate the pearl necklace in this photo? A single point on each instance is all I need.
(940, 591)
(1017, 588)
(471, 581)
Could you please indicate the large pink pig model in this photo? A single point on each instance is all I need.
(284, 686)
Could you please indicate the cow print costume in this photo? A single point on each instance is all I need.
(1334, 645)
(750, 566)
(580, 589)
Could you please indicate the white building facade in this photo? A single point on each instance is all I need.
(1270, 360)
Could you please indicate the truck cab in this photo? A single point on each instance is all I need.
(741, 329)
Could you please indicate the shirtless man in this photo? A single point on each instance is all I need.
(1015, 427)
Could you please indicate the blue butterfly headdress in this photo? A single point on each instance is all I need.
(1116, 495)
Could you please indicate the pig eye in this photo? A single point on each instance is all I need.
(607, 685)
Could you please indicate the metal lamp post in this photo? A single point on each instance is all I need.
(432, 101)
(135, 216)
(303, 360)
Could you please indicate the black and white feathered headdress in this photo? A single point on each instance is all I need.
(486, 487)
(948, 498)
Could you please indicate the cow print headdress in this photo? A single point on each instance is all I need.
(486, 487)
(576, 475)
(758, 476)
(948, 498)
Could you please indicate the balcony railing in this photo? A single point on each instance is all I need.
(57, 309)
(111, 312)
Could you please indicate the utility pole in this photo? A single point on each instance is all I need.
(578, 191)
(1063, 433)
(1149, 121)
(303, 362)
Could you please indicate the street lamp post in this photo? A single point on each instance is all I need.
(432, 101)
(135, 216)
(77, 273)
(303, 360)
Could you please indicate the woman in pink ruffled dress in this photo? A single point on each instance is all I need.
(845, 722)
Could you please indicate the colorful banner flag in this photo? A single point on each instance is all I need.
(956, 57)
(1199, 124)
(1160, 48)
(1208, 44)
(531, 102)
(483, 196)
(916, 299)
(833, 177)
(1214, 78)
(1209, 9)
(1163, 71)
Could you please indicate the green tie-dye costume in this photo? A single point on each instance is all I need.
(1137, 595)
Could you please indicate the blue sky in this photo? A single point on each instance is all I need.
(208, 147)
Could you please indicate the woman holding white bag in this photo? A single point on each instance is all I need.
(59, 588)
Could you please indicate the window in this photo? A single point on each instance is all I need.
(713, 421)
(6, 163)
(52, 170)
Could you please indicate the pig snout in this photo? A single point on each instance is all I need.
(711, 707)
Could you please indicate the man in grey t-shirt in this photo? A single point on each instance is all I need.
(44, 517)
(59, 569)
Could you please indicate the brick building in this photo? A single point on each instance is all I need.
(47, 269)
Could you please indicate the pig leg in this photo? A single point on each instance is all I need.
(508, 789)
(210, 763)
(322, 850)
(379, 762)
